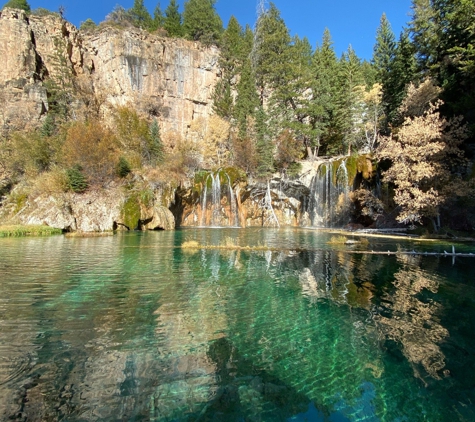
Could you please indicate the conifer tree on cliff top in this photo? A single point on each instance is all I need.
(18, 4)
(201, 22)
(172, 22)
(140, 15)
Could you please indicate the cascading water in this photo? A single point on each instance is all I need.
(329, 199)
(232, 199)
(203, 202)
(218, 204)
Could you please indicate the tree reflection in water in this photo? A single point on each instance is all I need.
(410, 317)
(123, 329)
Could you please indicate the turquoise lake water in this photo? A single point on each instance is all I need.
(132, 327)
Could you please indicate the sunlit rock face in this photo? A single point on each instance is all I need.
(97, 211)
(171, 79)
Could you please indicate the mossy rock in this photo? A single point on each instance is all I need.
(131, 211)
(362, 164)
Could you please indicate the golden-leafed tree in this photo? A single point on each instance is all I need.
(91, 147)
(425, 160)
(211, 139)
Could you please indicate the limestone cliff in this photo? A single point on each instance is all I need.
(98, 210)
(172, 79)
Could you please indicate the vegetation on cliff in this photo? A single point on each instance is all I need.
(277, 101)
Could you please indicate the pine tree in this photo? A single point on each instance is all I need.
(158, 18)
(156, 149)
(60, 84)
(87, 25)
(348, 110)
(48, 127)
(292, 98)
(18, 4)
(77, 181)
(201, 22)
(270, 51)
(323, 83)
(140, 16)
(231, 46)
(384, 52)
(402, 72)
(123, 167)
(247, 99)
(172, 22)
(425, 31)
(229, 64)
(264, 146)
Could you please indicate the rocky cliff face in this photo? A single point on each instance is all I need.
(172, 79)
(98, 210)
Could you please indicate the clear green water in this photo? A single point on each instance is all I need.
(132, 327)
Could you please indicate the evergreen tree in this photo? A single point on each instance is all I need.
(123, 167)
(201, 22)
(229, 64)
(231, 46)
(77, 181)
(18, 4)
(60, 85)
(323, 85)
(264, 146)
(247, 99)
(48, 127)
(156, 149)
(403, 71)
(270, 54)
(384, 50)
(383, 57)
(140, 16)
(443, 32)
(87, 25)
(158, 18)
(425, 31)
(172, 22)
(348, 110)
(293, 97)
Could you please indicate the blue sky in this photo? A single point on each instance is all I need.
(350, 22)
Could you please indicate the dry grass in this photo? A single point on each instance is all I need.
(51, 182)
(89, 234)
(337, 240)
(190, 244)
(228, 244)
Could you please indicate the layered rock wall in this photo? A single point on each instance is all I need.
(171, 79)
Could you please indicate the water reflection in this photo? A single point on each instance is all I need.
(134, 327)
(410, 316)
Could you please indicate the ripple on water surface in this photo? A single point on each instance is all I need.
(132, 327)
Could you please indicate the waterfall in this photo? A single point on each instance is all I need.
(329, 199)
(232, 200)
(218, 204)
(203, 203)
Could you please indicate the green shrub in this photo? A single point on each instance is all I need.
(41, 11)
(87, 25)
(18, 4)
(123, 167)
(77, 182)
